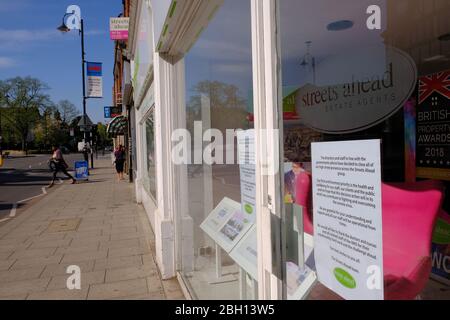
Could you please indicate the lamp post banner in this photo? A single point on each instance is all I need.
(94, 80)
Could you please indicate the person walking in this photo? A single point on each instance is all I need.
(57, 164)
(119, 155)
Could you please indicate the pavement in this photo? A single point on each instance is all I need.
(96, 226)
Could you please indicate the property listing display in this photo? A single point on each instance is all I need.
(226, 224)
(433, 127)
(245, 253)
(348, 217)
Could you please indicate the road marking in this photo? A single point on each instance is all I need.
(5, 219)
(12, 213)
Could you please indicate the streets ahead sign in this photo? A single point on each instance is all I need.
(94, 80)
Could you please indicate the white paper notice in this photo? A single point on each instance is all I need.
(247, 172)
(347, 217)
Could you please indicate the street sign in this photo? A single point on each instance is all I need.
(112, 112)
(107, 112)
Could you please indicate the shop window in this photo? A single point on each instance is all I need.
(354, 73)
(149, 177)
(218, 97)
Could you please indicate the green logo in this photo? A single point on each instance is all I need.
(344, 278)
(441, 233)
(248, 208)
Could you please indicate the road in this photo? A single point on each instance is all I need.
(25, 177)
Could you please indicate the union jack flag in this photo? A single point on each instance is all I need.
(436, 82)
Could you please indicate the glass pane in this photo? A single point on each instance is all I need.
(217, 233)
(149, 134)
(363, 70)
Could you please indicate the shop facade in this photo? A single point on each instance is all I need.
(232, 103)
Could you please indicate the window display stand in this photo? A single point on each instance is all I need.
(218, 261)
(243, 275)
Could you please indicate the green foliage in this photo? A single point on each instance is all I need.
(227, 107)
(30, 118)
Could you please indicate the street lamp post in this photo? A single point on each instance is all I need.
(64, 28)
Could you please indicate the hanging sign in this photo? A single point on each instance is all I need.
(94, 80)
(112, 112)
(118, 28)
(107, 112)
(347, 217)
(433, 127)
(359, 102)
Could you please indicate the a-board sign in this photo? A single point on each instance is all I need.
(81, 170)
(347, 217)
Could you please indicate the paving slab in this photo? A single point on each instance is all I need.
(96, 226)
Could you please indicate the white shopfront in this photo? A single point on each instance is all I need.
(161, 85)
(207, 67)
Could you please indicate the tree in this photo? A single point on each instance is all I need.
(102, 136)
(228, 108)
(25, 98)
(67, 111)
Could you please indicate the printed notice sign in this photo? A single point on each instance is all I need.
(247, 172)
(347, 217)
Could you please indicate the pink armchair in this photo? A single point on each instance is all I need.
(303, 197)
(410, 211)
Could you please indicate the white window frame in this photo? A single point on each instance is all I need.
(268, 119)
(170, 97)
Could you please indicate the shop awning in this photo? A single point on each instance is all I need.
(117, 126)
